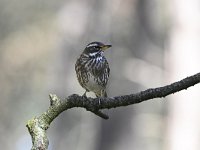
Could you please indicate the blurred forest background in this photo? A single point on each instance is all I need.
(154, 43)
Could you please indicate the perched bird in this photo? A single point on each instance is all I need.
(92, 69)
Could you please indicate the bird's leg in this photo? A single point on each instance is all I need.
(84, 95)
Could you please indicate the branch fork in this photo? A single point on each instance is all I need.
(38, 125)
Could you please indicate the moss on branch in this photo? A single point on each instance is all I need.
(38, 125)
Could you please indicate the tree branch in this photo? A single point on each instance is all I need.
(38, 125)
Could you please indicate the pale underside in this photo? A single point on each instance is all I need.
(93, 73)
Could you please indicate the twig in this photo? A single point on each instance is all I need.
(38, 125)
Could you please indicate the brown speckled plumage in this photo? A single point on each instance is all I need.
(92, 69)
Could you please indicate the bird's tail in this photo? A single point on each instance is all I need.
(102, 93)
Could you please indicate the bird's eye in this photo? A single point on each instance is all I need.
(96, 47)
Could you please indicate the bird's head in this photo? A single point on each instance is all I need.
(95, 48)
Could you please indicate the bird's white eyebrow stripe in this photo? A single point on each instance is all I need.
(90, 45)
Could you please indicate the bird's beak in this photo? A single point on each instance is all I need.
(104, 47)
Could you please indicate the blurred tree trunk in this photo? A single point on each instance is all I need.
(184, 60)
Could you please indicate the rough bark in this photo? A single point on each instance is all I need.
(38, 125)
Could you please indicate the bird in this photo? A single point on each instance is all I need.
(92, 69)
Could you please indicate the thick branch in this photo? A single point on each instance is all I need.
(37, 126)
